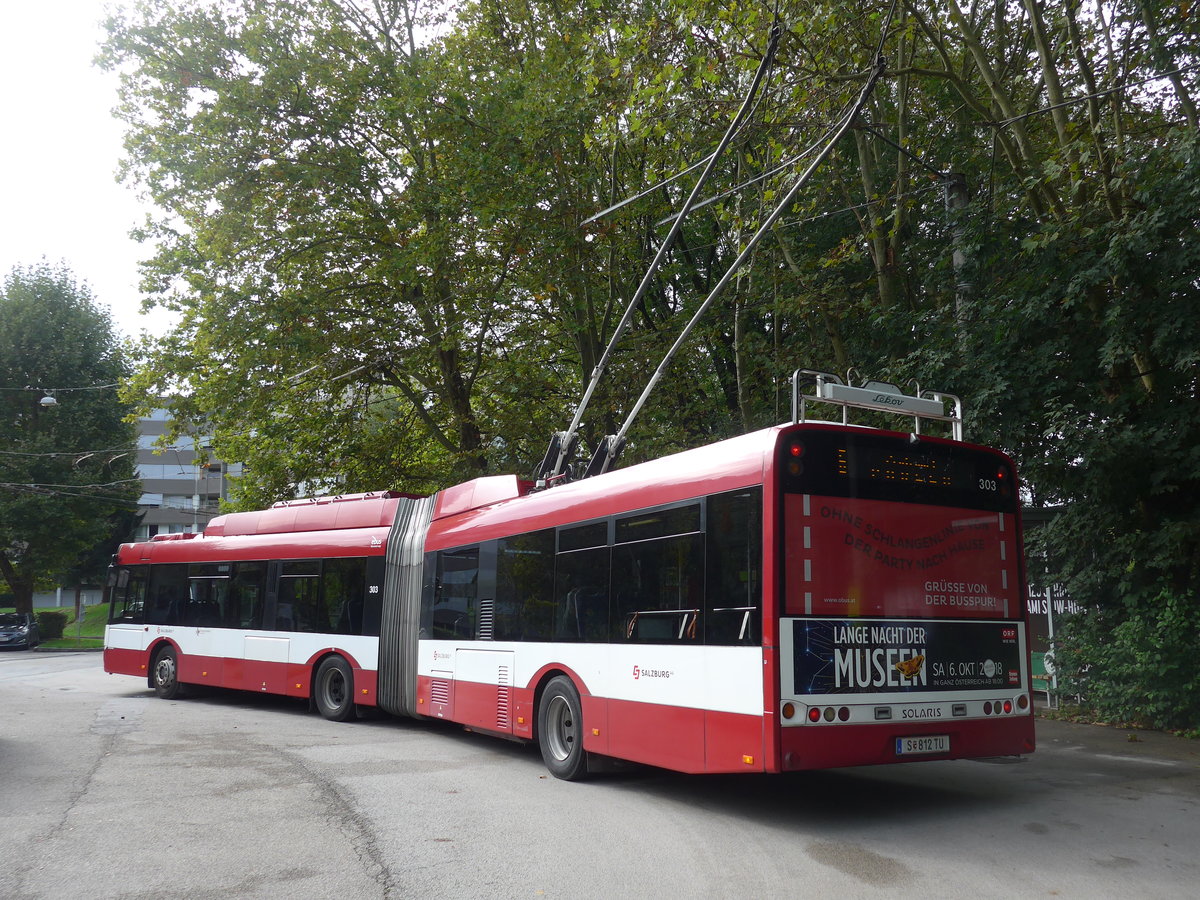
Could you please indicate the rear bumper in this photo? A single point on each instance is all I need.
(826, 747)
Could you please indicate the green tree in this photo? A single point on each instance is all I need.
(67, 482)
(356, 219)
(377, 246)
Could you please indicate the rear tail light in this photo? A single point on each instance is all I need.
(795, 453)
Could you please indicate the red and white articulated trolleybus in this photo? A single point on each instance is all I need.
(807, 596)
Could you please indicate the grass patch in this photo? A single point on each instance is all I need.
(87, 634)
(94, 620)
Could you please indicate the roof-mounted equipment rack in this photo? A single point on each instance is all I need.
(877, 395)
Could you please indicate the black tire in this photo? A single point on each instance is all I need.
(164, 674)
(333, 690)
(560, 730)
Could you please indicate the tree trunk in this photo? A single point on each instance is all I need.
(21, 585)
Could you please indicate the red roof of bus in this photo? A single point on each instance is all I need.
(347, 525)
(724, 466)
(317, 514)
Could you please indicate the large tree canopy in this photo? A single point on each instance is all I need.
(377, 224)
(67, 484)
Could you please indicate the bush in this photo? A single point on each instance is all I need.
(51, 624)
(1142, 670)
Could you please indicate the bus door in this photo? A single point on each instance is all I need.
(126, 586)
(266, 654)
(204, 610)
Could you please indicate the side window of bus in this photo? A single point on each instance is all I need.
(246, 594)
(454, 594)
(344, 584)
(733, 592)
(581, 584)
(167, 595)
(524, 606)
(128, 595)
(208, 595)
(298, 607)
(658, 581)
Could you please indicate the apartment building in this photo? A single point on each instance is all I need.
(182, 483)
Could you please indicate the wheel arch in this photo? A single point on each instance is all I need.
(543, 677)
(152, 652)
(314, 665)
(315, 660)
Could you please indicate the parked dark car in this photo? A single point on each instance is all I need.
(19, 630)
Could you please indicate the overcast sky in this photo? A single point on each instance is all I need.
(59, 147)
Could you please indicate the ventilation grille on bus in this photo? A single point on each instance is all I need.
(439, 691)
(503, 717)
(485, 620)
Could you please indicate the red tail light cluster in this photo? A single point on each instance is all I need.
(1003, 707)
(816, 714)
(795, 452)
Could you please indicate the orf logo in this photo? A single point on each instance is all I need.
(637, 673)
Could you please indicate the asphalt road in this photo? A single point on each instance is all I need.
(109, 792)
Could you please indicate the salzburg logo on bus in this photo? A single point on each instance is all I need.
(640, 672)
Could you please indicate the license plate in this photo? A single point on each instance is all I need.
(926, 743)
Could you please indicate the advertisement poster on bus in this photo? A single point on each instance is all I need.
(855, 656)
(856, 557)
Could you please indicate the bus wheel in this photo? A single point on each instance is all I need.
(560, 730)
(334, 693)
(166, 674)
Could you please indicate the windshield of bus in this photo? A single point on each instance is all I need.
(880, 524)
